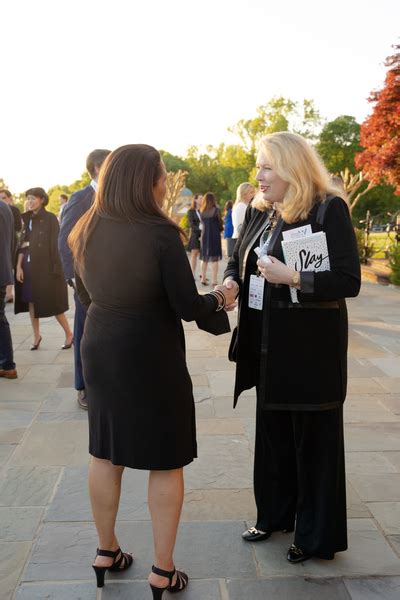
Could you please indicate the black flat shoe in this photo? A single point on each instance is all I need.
(255, 535)
(296, 555)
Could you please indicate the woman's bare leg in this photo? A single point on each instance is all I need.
(35, 323)
(62, 319)
(203, 270)
(166, 491)
(105, 490)
(193, 260)
(214, 272)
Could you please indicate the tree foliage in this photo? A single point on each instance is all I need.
(380, 132)
(338, 144)
(278, 114)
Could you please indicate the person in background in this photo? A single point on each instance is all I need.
(295, 354)
(75, 208)
(210, 243)
(63, 199)
(244, 195)
(134, 276)
(195, 231)
(40, 285)
(228, 229)
(6, 196)
(7, 233)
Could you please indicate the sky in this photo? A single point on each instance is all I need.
(85, 74)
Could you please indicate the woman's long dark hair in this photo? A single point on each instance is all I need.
(208, 202)
(125, 192)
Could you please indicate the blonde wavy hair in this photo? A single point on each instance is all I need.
(297, 163)
(242, 190)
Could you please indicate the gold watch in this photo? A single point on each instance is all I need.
(296, 279)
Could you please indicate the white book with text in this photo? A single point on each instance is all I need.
(309, 253)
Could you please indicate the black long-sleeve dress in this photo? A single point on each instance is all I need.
(195, 229)
(141, 408)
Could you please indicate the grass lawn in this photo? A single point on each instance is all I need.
(381, 241)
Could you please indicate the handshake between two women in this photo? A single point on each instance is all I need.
(230, 290)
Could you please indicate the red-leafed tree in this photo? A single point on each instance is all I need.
(380, 132)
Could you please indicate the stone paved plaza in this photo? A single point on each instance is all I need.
(47, 537)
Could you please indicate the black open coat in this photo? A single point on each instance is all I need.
(49, 289)
(301, 363)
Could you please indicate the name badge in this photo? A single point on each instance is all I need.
(256, 292)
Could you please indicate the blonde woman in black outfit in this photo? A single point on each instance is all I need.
(295, 354)
(137, 284)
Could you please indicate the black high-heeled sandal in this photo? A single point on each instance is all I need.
(36, 346)
(180, 584)
(123, 562)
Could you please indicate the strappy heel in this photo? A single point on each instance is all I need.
(36, 346)
(124, 562)
(181, 582)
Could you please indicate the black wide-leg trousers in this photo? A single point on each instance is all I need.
(299, 478)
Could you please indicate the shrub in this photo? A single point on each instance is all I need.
(394, 262)
(364, 251)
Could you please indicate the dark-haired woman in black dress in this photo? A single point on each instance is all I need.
(138, 285)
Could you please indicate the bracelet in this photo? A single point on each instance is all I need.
(220, 299)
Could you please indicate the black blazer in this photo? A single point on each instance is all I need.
(76, 206)
(301, 362)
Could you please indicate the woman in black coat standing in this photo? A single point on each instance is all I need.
(295, 353)
(40, 284)
(137, 284)
(194, 219)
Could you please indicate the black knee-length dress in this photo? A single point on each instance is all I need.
(141, 407)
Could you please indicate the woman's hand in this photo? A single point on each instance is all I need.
(276, 271)
(230, 290)
(20, 275)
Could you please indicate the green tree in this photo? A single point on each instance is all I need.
(278, 114)
(173, 163)
(380, 201)
(338, 144)
(55, 191)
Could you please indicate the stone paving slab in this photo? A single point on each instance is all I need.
(373, 487)
(65, 550)
(369, 462)
(43, 487)
(19, 524)
(287, 589)
(71, 501)
(380, 588)
(137, 590)
(368, 554)
(27, 486)
(225, 463)
(13, 556)
(387, 514)
(54, 444)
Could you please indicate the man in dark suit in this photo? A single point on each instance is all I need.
(7, 364)
(77, 205)
(6, 196)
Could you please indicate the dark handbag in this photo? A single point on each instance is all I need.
(232, 352)
(217, 323)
